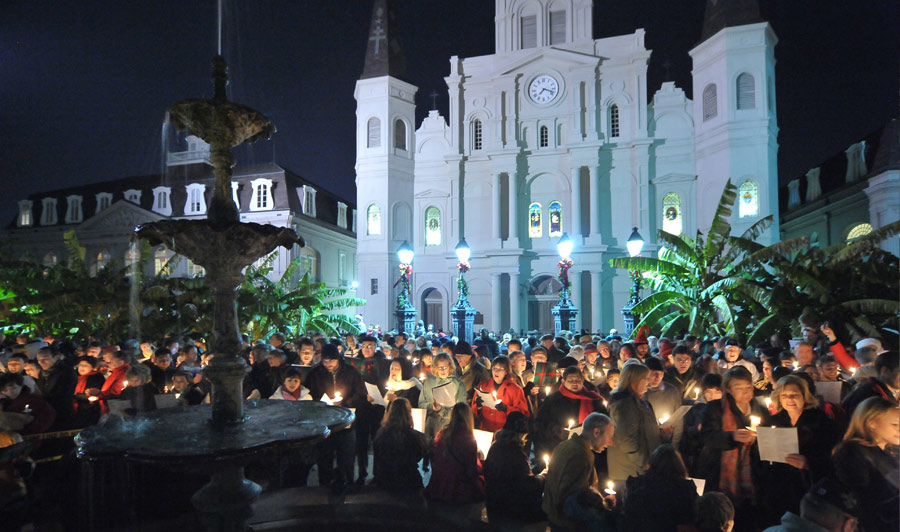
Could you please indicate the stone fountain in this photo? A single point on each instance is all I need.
(219, 438)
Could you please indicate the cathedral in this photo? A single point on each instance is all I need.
(555, 134)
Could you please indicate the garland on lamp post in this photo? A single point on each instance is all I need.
(461, 285)
(406, 271)
(564, 266)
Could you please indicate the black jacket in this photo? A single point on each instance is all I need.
(657, 504)
(715, 441)
(510, 487)
(345, 380)
(872, 475)
(57, 387)
(396, 457)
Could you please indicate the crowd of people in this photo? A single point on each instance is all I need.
(587, 432)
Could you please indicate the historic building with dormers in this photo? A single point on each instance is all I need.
(104, 215)
(555, 133)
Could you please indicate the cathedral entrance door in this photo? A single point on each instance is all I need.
(542, 295)
(433, 305)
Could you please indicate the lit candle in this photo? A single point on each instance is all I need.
(547, 459)
(754, 422)
(125, 385)
(337, 397)
(795, 364)
(592, 373)
(768, 401)
(663, 419)
(177, 395)
(609, 488)
(546, 390)
(605, 403)
(415, 361)
(93, 398)
(571, 423)
(854, 371)
(696, 393)
(421, 376)
(27, 409)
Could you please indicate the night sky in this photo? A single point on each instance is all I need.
(84, 84)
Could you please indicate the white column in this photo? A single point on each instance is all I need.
(495, 302)
(513, 208)
(495, 207)
(514, 295)
(593, 212)
(575, 229)
(575, 294)
(596, 319)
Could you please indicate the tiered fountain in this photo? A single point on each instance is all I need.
(223, 436)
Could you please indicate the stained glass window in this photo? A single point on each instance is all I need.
(748, 199)
(671, 207)
(858, 231)
(555, 211)
(373, 220)
(535, 228)
(432, 226)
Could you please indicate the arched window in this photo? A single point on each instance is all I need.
(101, 262)
(50, 260)
(399, 134)
(671, 211)
(535, 227)
(545, 137)
(858, 230)
(373, 133)
(710, 102)
(555, 212)
(373, 220)
(476, 134)
(160, 258)
(432, 226)
(748, 199)
(613, 121)
(746, 91)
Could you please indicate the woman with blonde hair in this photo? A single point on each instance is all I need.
(457, 475)
(866, 462)
(397, 449)
(637, 432)
(796, 406)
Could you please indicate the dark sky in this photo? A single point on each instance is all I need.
(84, 84)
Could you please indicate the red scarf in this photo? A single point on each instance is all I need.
(587, 399)
(735, 477)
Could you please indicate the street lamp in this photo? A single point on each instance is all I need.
(406, 312)
(564, 311)
(462, 313)
(634, 244)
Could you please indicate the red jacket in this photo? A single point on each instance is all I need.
(113, 386)
(44, 414)
(509, 393)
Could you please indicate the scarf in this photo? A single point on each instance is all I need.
(398, 386)
(587, 399)
(735, 477)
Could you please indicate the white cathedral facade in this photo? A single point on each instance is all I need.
(555, 133)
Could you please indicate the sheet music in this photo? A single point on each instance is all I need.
(487, 399)
(776, 443)
(373, 391)
(830, 391)
(445, 394)
(418, 417)
(483, 440)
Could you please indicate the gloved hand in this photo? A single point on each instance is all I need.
(501, 407)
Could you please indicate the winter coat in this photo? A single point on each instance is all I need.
(658, 504)
(57, 386)
(283, 395)
(345, 380)
(396, 455)
(553, 418)
(665, 399)
(456, 473)
(509, 394)
(41, 411)
(86, 412)
(715, 441)
(434, 421)
(142, 397)
(872, 476)
(635, 438)
(571, 469)
(473, 375)
(510, 486)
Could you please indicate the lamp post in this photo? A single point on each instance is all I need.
(634, 245)
(463, 313)
(406, 312)
(564, 311)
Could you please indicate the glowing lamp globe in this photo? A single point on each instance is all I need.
(405, 253)
(565, 246)
(635, 243)
(463, 251)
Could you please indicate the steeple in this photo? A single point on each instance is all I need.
(384, 57)
(722, 14)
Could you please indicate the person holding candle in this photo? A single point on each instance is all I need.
(729, 460)
(571, 402)
(661, 498)
(401, 383)
(511, 487)
(509, 397)
(684, 373)
(469, 370)
(36, 415)
(140, 390)
(637, 429)
(732, 358)
(573, 496)
(187, 392)
(115, 382)
(86, 412)
(438, 416)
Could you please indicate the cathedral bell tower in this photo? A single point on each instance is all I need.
(385, 144)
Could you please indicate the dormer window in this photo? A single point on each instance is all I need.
(234, 194)
(73, 209)
(261, 197)
(104, 200)
(48, 211)
(308, 200)
(196, 202)
(342, 215)
(25, 217)
(161, 203)
(353, 221)
(134, 196)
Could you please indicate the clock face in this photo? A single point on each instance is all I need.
(543, 89)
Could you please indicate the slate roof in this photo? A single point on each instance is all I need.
(384, 57)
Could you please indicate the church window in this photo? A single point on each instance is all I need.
(261, 195)
(535, 228)
(476, 134)
(529, 31)
(160, 258)
(104, 200)
(557, 27)
(196, 202)
(858, 230)
(50, 260)
(373, 220)
(161, 203)
(373, 133)
(25, 219)
(746, 91)
(545, 137)
(671, 207)
(748, 199)
(48, 211)
(73, 209)
(399, 134)
(555, 212)
(432, 226)
(710, 102)
(613, 121)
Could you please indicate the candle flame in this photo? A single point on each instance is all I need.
(421, 376)
(571, 423)
(663, 419)
(768, 401)
(547, 459)
(547, 390)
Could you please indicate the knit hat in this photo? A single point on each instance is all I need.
(836, 494)
(330, 352)
(640, 338)
(566, 361)
(871, 342)
(590, 348)
(665, 347)
(463, 348)
(516, 422)
(654, 364)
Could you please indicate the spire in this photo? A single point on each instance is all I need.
(383, 54)
(721, 14)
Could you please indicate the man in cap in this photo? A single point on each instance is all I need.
(827, 507)
(641, 343)
(732, 358)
